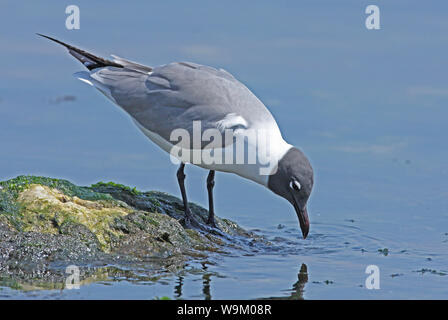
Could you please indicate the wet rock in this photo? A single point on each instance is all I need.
(47, 224)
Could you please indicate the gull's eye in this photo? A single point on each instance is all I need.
(295, 185)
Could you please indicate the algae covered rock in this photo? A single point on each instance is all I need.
(47, 223)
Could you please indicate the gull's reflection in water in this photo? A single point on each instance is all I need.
(296, 293)
(298, 288)
(178, 287)
(206, 281)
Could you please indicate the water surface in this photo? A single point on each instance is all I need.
(368, 107)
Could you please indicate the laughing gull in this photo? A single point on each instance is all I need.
(182, 97)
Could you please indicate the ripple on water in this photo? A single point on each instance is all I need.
(327, 238)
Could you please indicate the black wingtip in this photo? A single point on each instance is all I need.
(89, 60)
(55, 40)
(42, 35)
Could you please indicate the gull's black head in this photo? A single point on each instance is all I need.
(293, 181)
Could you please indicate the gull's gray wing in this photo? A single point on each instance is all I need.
(172, 96)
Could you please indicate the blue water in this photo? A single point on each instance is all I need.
(367, 107)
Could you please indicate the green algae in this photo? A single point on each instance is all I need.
(47, 210)
(21, 183)
(116, 186)
(10, 190)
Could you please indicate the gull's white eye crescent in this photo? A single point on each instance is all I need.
(295, 185)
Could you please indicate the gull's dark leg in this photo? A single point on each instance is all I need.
(189, 220)
(211, 210)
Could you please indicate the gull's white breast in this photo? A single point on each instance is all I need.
(266, 155)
